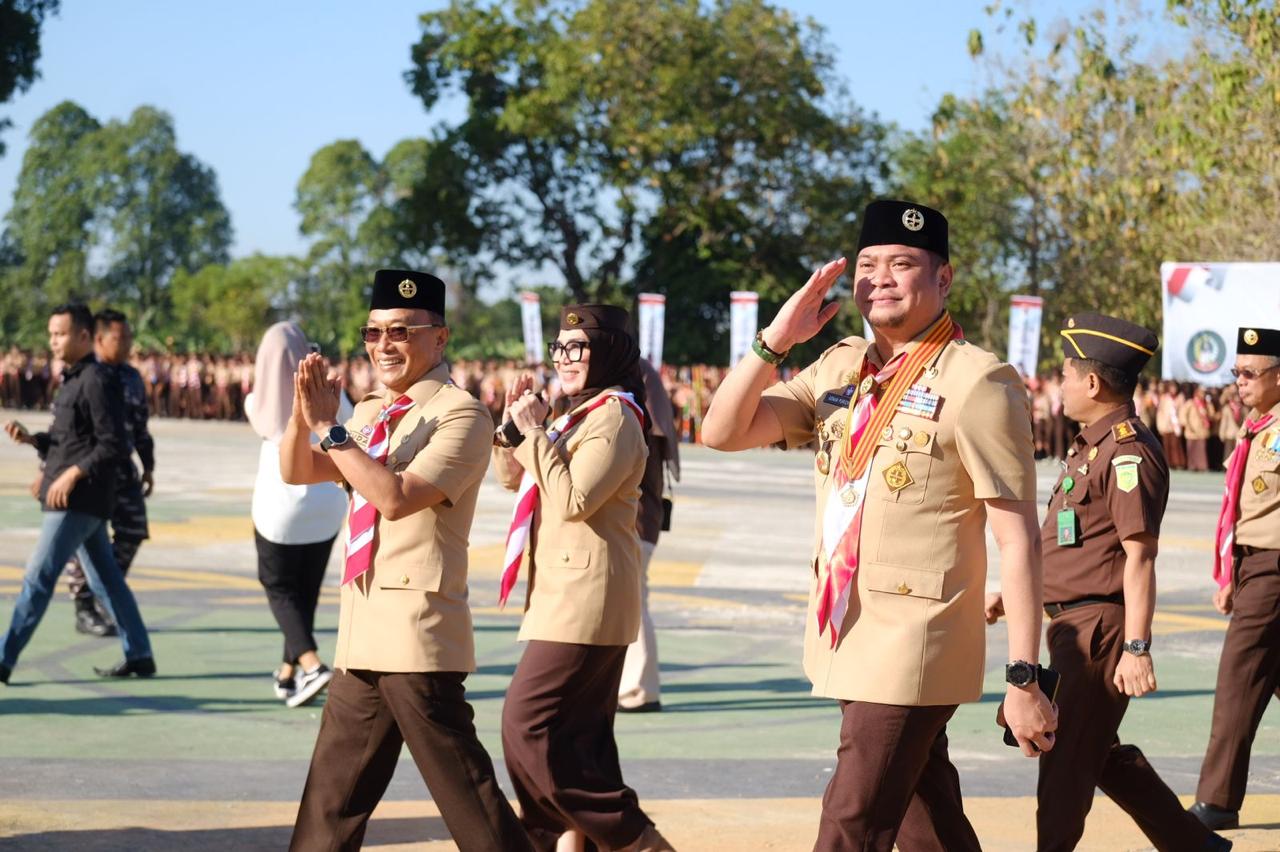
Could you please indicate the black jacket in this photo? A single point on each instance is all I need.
(88, 431)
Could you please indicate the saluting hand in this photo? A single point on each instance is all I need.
(804, 315)
(1135, 675)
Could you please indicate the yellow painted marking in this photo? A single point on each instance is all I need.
(1165, 623)
(203, 529)
(1185, 543)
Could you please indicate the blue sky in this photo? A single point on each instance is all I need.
(256, 88)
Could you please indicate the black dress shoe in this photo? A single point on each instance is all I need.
(1218, 843)
(1213, 817)
(5, 671)
(91, 622)
(144, 667)
(647, 707)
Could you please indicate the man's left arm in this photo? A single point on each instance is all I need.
(144, 443)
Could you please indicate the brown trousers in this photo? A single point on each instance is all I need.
(894, 781)
(1248, 676)
(1085, 646)
(557, 738)
(367, 716)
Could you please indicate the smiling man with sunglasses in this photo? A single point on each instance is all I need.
(1246, 566)
(413, 457)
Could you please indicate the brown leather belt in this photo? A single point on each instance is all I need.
(1055, 609)
(1246, 550)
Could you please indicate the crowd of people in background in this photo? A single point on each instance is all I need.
(1197, 424)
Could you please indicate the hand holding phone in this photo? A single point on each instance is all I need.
(1048, 680)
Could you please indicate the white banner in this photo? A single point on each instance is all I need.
(649, 325)
(1024, 333)
(1205, 306)
(531, 320)
(744, 311)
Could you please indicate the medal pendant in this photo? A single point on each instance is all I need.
(849, 494)
(822, 461)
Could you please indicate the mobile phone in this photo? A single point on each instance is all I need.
(1048, 680)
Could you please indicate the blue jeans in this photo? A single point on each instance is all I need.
(61, 535)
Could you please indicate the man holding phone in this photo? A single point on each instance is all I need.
(1100, 541)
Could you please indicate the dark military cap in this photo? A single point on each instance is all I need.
(608, 317)
(1258, 341)
(1110, 341)
(901, 223)
(404, 288)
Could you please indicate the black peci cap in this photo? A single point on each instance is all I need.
(404, 288)
(901, 223)
(1108, 340)
(1258, 341)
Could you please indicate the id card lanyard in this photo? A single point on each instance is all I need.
(1067, 534)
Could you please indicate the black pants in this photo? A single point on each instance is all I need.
(292, 574)
(367, 717)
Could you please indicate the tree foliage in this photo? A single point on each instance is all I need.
(20, 23)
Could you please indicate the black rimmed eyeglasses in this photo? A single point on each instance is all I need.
(572, 350)
(1251, 375)
(395, 333)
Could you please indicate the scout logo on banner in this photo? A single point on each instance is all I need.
(1204, 306)
(1024, 333)
(652, 317)
(531, 320)
(744, 308)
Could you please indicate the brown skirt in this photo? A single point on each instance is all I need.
(557, 740)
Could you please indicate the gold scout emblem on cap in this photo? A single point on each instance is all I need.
(897, 477)
(1250, 336)
(572, 319)
(408, 289)
(912, 219)
(1071, 323)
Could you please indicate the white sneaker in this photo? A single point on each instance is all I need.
(284, 686)
(309, 684)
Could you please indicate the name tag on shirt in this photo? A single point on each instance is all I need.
(840, 398)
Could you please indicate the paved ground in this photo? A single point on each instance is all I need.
(202, 757)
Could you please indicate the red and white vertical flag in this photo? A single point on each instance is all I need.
(652, 316)
(744, 311)
(1025, 314)
(531, 322)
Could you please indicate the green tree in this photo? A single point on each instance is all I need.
(601, 134)
(20, 23)
(225, 308)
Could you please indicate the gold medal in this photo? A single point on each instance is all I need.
(837, 430)
(823, 462)
(900, 446)
(867, 384)
(922, 438)
(887, 433)
(849, 494)
(904, 433)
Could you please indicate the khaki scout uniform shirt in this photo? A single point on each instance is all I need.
(914, 633)
(1259, 522)
(409, 611)
(1120, 489)
(584, 577)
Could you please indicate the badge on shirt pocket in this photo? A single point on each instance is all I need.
(1067, 536)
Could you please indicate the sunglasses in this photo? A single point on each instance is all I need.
(572, 350)
(395, 333)
(1251, 375)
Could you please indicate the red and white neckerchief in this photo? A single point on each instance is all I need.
(842, 516)
(362, 519)
(527, 496)
(1231, 499)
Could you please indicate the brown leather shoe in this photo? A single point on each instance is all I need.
(649, 841)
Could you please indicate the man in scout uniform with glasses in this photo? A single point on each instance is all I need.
(1246, 567)
(413, 458)
(1100, 541)
(922, 438)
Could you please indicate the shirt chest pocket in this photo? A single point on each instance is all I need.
(904, 460)
(407, 441)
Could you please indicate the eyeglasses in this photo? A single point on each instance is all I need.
(572, 350)
(1251, 375)
(395, 333)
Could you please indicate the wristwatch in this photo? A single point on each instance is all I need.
(1020, 673)
(766, 354)
(338, 435)
(1138, 647)
(508, 436)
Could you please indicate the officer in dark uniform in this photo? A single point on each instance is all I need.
(1100, 542)
(113, 339)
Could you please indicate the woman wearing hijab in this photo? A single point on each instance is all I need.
(579, 489)
(293, 525)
